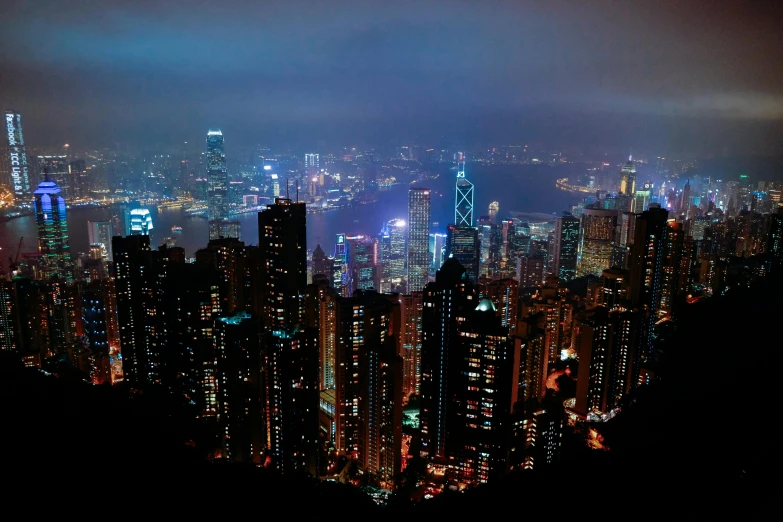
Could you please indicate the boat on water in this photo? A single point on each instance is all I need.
(176, 228)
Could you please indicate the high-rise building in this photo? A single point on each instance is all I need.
(418, 238)
(645, 283)
(368, 406)
(139, 222)
(100, 233)
(363, 263)
(50, 215)
(462, 244)
(607, 342)
(292, 400)
(57, 169)
(566, 247)
(217, 185)
(463, 203)
(240, 390)
(596, 235)
(18, 169)
(437, 251)
(410, 343)
(642, 198)
(450, 295)
(312, 161)
(482, 393)
(393, 256)
(322, 265)
(628, 178)
(282, 239)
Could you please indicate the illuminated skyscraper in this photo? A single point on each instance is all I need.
(217, 186)
(418, 238)
(139, 222)
(282, 237)
(50, 215)
(628, 178)
(363, 266)
(645, 284)
(566, 246)
(393, 256)
(597, 232)
(240, 389)
(410, 342)
(462, 243)
(463, 203)
(19, 173)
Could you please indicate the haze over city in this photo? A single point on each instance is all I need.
(391, 260)
(680, 77)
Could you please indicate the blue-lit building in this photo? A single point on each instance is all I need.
(139, 222)
(50, 216)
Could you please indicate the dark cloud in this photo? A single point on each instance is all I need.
(504, 70)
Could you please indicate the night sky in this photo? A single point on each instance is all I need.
(681, 75)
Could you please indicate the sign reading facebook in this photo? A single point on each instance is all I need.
(17, 156)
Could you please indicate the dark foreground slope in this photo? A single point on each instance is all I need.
(701, 442)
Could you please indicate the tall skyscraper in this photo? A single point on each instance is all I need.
(645, 284)
(566, 247)
(282, 238)
(363, 266)
(240, 389)
(19, 171)
(444, 300)
(50, 215)
(463, 203)
(217, 186)
(596, 235)
(628, 178)
(368, 379)
(418, 238)
(100, 233)
(462, 243)
(410, 343)
(393, 256)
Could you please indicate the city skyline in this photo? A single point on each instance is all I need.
(367, 289)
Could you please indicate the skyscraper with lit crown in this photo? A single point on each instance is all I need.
(50, 215)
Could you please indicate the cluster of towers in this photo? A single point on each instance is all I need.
(312, 369)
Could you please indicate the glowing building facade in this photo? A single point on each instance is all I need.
(418, 238)
(463, 203)
(217, 187)
(597, 232)
(50, 215)
(19, 172)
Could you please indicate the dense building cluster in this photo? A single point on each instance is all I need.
(497, 338)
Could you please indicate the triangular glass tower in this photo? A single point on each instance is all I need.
(463, 207)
